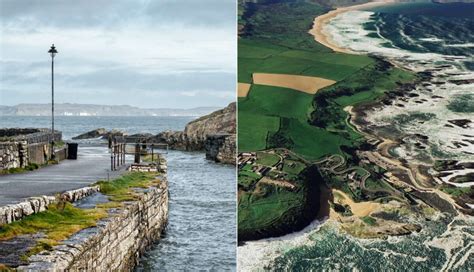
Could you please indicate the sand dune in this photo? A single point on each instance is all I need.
(359, 209)
(305, 84)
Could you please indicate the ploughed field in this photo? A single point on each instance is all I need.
(282, 112)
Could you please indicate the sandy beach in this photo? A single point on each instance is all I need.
(319, 22)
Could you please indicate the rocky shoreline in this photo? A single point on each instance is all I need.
(419, 176)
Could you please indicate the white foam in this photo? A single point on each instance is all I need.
(256, 255)
(347, 31)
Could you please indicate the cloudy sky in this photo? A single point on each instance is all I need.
(147, 53)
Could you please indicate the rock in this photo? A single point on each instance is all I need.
(219, 122)
(96, 133)
(138, 137)
(194, 136)
(174, 139)
(221, 148)
(99, 133)
(463, 123)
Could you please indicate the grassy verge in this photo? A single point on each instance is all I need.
(17, 170)
(121, 189)
(59, 144)
(57, 223)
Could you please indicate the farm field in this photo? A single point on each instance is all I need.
(253, 128)
(304, 84)
(262, 212)
(243, 89)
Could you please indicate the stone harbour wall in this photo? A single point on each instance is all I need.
(20, 147)
(9, 155)
(116, 243)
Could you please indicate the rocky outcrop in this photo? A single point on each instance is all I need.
(210, 127)
(174, 139)
(221, 148)
(101, 133)
(219, 122)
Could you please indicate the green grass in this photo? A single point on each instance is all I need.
(288, 29)
(121, 189)
(293, 107)
(276, 101)
(369, 220)
(312, 142)
(57, 223)
(59, 144)
(17, 170)
(377, 185)
(253, 129)
(457, 191)
(247, 178)
(264, 210)
(296, 167)
(250, 174)
(258, 57)
(268, 159)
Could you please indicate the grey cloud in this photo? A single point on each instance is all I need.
(107, 13)
(108, 79)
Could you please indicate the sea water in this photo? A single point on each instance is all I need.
(201, 234)
(420, 37)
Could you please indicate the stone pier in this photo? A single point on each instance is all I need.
(117, 242)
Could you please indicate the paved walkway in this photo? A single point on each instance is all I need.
(92, 164)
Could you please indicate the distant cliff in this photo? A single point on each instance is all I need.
(68, 109)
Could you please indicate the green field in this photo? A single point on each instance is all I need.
(253, 129)
(263, 211)
(268, 159)
(258, 57)
(276, 101)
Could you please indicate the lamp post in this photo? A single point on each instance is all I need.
(52, 52)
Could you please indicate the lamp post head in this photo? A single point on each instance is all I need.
(52, 51)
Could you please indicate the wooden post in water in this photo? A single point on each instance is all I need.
(152, 149)
(137, 153)
(111, 157)
(124, 152)
(115, 155)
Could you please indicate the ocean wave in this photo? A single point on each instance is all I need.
(257, 255)
(361, 32)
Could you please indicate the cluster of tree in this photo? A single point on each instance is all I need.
(327, 112)
(279, 139)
